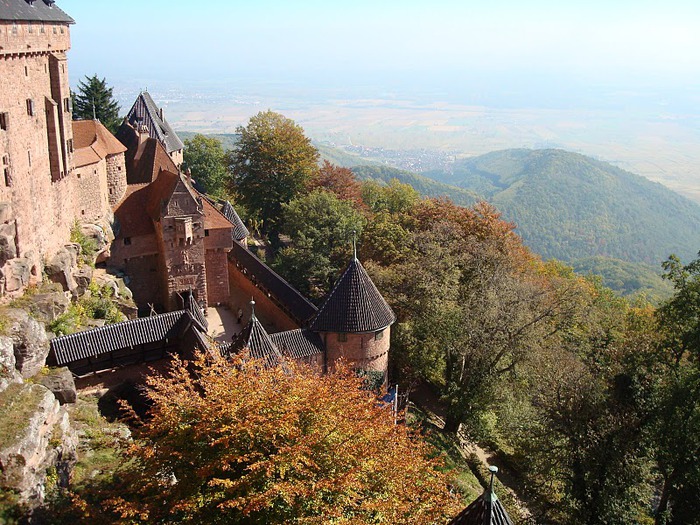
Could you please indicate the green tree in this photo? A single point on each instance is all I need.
(206, 159)
(94, 99)
(271, 164)
(321, 227)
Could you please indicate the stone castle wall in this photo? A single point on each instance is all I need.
(116, 178)
(217, 277)
(363, 351)
(91, 185)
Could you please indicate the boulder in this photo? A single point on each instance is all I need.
(8, 370)
(60, 268)
(17, 273)
(48, 306)
(82, 277)
(8, 248)
(60, 382)
(29, 340)
(35, 435)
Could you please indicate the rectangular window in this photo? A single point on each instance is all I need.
(342, 337)
(14, 29)
(30, 28)
(54, 30)
(4, 117)
(8, 176)
(66, 104)
(378, 335)
(127, 241)
(206, 233)
(41, 29)
(30, 107)
(70, 145)
(29, 158)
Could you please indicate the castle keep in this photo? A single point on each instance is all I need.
(181, 251)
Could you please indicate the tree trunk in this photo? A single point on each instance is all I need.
(660, 514)
(452, 423)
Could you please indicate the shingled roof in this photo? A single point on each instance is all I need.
(298, 344)
(484, 510)
(256, 340)
(283, 293)
(145, 159)
(37, 11)
(128, 334)
(145, 112)
(354, 305)
(240, 232)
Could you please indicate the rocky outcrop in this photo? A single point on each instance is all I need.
(61, 266)
(101, 236)
(35, 437)
(8, 371)
(29, 340)
(60, 382)
(47, 306)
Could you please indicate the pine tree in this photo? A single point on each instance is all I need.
(94, 99)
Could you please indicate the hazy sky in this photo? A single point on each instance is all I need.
(615, 42)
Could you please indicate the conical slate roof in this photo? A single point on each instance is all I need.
(354, 305)
(484, 510)
(254, 338)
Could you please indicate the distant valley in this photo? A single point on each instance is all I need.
(597, 217)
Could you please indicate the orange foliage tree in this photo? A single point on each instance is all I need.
(248, 444)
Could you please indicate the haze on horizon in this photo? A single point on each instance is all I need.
(619, 80)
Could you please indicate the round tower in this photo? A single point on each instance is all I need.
(355, 324)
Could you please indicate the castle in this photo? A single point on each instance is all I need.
(182, 251)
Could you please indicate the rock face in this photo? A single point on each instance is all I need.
(35, 435)
(60, 382)
(8, 371)
(29, 340)
(60, 268)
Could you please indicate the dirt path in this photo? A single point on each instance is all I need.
(424, 397)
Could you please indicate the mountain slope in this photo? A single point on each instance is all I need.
(570, 206)
(423, 185)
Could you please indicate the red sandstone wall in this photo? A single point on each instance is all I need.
(360, 350)
(116, 178)
(270, 315)
(92, 192)
(217, 277)
(32, 66)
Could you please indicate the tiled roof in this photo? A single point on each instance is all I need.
(255, 339)
(160, 193)
(484, 510)
(213, 218)
(90, 343)
(145, 112)
(146, 160)
(39, 11)
(298, 343)
(240, 232)
(281, 291)
(93, 142)
(132, 215)
(354, 305)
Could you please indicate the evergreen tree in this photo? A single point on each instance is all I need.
(94, 99)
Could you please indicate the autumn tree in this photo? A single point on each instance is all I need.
(321, 227)
(94, 99)
(337, 180)
(206, 159)
(271, 164)
(241, 443)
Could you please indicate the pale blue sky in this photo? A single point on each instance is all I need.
(534, 46)
(589, 38)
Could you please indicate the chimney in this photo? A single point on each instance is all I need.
(143, 134)
(160, 114)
